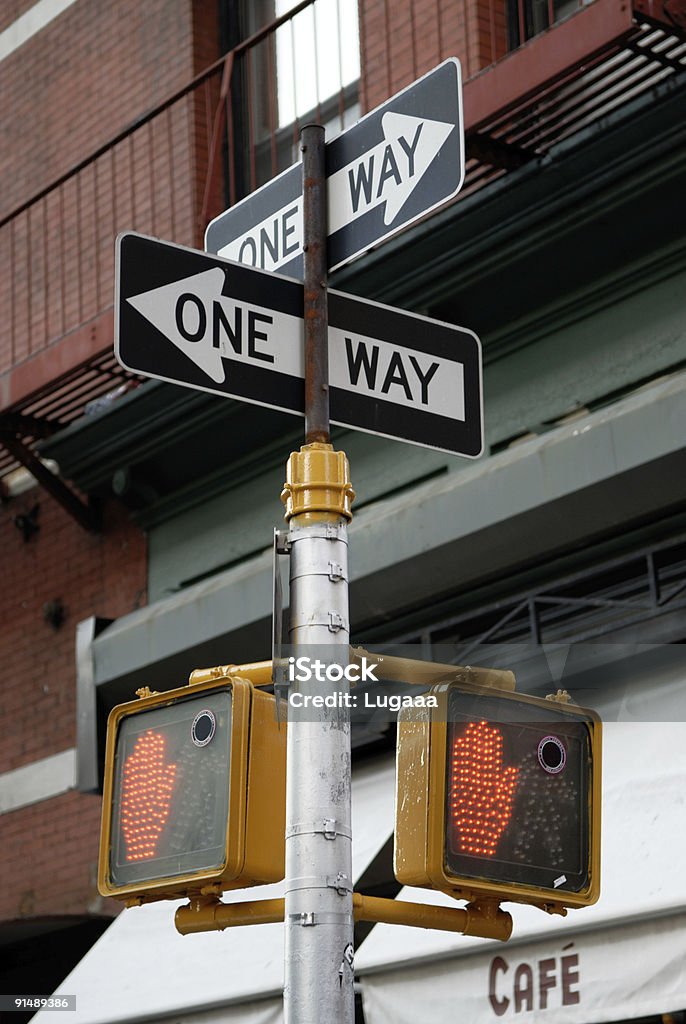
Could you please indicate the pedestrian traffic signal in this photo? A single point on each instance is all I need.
(498, 794)
(194, 792)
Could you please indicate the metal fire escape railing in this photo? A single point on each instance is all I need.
(224, 134)
(166, 174)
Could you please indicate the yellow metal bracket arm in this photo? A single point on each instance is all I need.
(208, 914)
(483, 918)
(430, 673)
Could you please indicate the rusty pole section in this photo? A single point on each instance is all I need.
(315, 299)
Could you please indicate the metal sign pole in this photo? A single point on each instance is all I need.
(318, 494)
(315, 304)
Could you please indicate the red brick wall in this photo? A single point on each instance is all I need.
(403, 39)
(49, 849)
(50, 859)
(10, 10)
(68, 90)
(82, 78)
(93, 574)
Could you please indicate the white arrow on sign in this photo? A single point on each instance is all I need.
(208, 326)
(213, 329)
(385, 175)
(389, 172)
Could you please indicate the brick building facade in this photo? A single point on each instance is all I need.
(60, 566)
(72, 77)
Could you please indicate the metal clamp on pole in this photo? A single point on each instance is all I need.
(325, 530)
(329, 828)
(308, 919)
(340, 883)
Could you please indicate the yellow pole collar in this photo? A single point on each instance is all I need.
(318, 483)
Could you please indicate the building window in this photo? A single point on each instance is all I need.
(528, 18)
(298, 61)
(317, 59)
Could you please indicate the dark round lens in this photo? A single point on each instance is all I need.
(552, 755)
(203, 727)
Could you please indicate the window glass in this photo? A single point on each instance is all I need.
(317, 55)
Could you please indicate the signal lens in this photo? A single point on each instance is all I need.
(147, 790)
(481, 789)
(171, 790)
(517, 775)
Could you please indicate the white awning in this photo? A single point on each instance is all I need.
(269, 1011)
(141, 967)
(625, 956)
(606, 975)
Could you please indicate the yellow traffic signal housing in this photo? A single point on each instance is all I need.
(194, 793)
(498, 795)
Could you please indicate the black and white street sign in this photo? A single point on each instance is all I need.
(191, 318)
(396, 164)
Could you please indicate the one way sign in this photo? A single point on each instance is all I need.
(396, 164)
(190, 318)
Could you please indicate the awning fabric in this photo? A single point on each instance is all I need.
(606, 975)
(142, 968)
(267, 1011)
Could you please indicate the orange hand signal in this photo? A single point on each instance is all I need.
(481, 790)
(147, 788)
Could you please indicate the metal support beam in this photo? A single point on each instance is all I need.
(499, 154)
(26, 425)
(483, 918)
(429, 673)
(84, 515)
(211, 915)
(259, 673)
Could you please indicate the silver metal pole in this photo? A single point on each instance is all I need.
(318, 903)
(318, 911)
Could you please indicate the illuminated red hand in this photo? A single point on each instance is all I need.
(481, 790)
(147, 787)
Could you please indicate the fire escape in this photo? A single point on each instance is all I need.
(56, 334)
